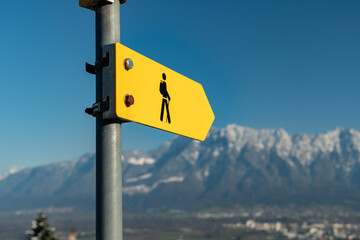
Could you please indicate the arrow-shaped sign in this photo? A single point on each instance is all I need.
(149, 93)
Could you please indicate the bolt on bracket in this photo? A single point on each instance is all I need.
(103, 62)
(97, 108)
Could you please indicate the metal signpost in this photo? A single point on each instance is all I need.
(108, 131)
(132, 87)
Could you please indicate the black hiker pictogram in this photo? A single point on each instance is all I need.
(165, 100)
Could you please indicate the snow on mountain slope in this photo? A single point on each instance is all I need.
(304, 147)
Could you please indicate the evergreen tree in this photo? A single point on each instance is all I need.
(41, 229)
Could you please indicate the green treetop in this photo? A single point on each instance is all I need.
(41, 229)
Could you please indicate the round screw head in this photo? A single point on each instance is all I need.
(129, 100)
(128, 63)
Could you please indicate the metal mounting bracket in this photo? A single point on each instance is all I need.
(108, 82)
(107, 66)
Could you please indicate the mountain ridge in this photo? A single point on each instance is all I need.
(234, 165)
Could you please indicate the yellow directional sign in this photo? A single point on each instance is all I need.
(149, 93)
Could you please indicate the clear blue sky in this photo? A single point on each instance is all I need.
(263, 64)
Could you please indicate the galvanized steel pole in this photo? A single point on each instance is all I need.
(108, 138)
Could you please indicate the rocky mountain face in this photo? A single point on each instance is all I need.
(234, 165)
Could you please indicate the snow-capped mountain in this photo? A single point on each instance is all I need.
(233, 165)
